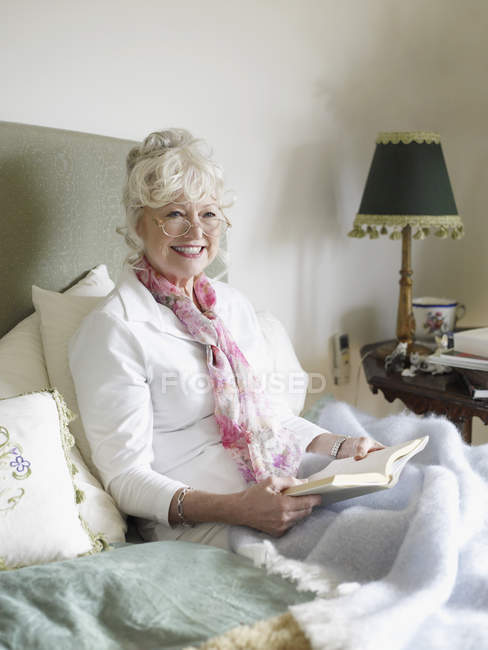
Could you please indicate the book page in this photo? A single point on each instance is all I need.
(332, 493)
(375, 462)
(400, 462)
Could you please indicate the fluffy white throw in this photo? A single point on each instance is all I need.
(405, 568)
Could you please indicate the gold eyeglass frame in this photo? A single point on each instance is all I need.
(223, 220)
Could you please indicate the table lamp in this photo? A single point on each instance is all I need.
(407, 189)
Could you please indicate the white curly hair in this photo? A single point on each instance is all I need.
(167, 165)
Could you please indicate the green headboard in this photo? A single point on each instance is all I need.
(60, 202)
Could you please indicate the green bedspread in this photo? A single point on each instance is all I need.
(156, 595)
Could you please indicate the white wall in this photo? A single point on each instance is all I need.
(291, 94)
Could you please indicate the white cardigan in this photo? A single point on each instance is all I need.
(147, 407)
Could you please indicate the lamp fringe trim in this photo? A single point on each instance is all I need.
(373, 226)
(407, 137)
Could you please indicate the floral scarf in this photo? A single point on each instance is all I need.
(249, 427)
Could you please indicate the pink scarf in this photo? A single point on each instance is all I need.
(249, 428)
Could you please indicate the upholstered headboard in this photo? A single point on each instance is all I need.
(60, 202)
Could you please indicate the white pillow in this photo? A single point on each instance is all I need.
(23, 370)
(22, 366)
(60, 317)
(289, 372)
(40, 518)
(96, 282)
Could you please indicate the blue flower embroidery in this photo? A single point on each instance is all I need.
(19, 469)
(21, 465)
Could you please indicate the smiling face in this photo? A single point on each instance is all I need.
(181, 258)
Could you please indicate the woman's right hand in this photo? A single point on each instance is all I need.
(264, 506)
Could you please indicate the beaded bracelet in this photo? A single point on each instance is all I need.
(179, 508)
(336, 446)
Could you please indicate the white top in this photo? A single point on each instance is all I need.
(145, 400)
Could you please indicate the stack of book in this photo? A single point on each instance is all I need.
(476, 382)
(469, 357)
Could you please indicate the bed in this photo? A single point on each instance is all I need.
(404, 569)
(60, 204)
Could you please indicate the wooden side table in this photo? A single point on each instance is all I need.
(425, 393)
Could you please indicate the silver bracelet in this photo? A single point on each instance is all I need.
(336, 446)
(179, 508)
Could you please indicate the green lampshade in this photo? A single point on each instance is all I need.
(408, 184)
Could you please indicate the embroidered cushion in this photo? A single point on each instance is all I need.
(23, 370)
(39, 517)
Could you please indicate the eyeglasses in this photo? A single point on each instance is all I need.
(213, 225)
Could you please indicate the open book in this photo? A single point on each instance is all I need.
(347, 478)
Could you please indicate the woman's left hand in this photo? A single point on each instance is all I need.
(357, 447)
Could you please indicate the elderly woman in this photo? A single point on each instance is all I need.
(187, 462)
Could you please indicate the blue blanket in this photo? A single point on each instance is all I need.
(401, 569)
